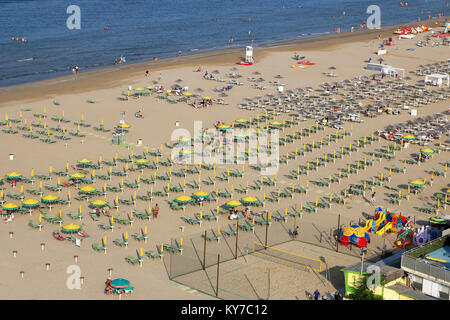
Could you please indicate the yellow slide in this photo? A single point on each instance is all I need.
(386, 228)
(368, 225)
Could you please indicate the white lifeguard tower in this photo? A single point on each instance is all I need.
(249, 54)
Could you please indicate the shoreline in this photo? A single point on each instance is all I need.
(119, 75)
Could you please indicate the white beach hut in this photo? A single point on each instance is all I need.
(437, 79)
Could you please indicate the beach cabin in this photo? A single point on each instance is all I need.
(437, 79)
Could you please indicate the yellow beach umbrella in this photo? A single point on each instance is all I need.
(30, 203)
(427, 151)
(70, 228)
(50, 198)
(98, 203)
(9, 206)
(233, 203)
(13, 175)
(417, 182)
(88, 189)
(183, 199)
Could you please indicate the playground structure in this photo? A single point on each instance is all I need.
(385, 221)
(405, 237)
(354, 235)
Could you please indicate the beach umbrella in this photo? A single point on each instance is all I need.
(183, 199)
(84, 161)
(249, 200)
(77, 176)
(142, 161)
(71, 228)
(30, 203)
(276, 123)
(98, 203)
(233, 203)
(186, 151)
(437, 220)
(14, 175)
(427, 151)
(139, 90)
(409, 137)
(124, 126)
(207, 98)
(188, 94)
(417, 182)
(184, 139)
(150, 87)
(447, 191)
(9, 206)
(88, 189)
(240, 135)
(223, 127)
(200, 195)
(50, 198)
(120, 283)
(241, 121)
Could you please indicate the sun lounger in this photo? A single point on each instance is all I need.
(103, 226)
(34, 226)
(192, 221)
(153, 255)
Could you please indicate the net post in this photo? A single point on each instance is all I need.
(204, 252)
(217, 283)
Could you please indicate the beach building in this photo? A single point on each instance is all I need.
(428, 267)
(394, 283)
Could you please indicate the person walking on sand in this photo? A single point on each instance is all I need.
(160, 77)
(373, 198)
(316, 294)
(156, 211)
(295, 233)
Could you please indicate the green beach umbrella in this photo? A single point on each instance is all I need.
(417, 182)
(409, 137)
(240, 120)
(249, 200)
(71, 228)
(99, 203)
(183, 199)
(437, 220)
(233, 203)
(9, 206)
(276, 123)
(84, 161)
(427, 151)
(50, 198)
(77, 176)
(120, 283)
(142, 161)
(14, 175)
(186, 151)
(223, 127)
(88, 189)
(30, 203)
(200, 194)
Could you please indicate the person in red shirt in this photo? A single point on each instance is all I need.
(156, 211)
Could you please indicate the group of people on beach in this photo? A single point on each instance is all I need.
(16, 39)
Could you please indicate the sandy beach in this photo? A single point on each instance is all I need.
(36, 103)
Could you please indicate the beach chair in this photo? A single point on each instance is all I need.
(34, 226)
(119, 242)
(103, 226)
(132, 260)
(245, 226)
(153, 255)
(173, 249)
(192, 221)
(211, 237)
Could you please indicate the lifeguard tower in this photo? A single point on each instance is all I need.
(249, 54)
